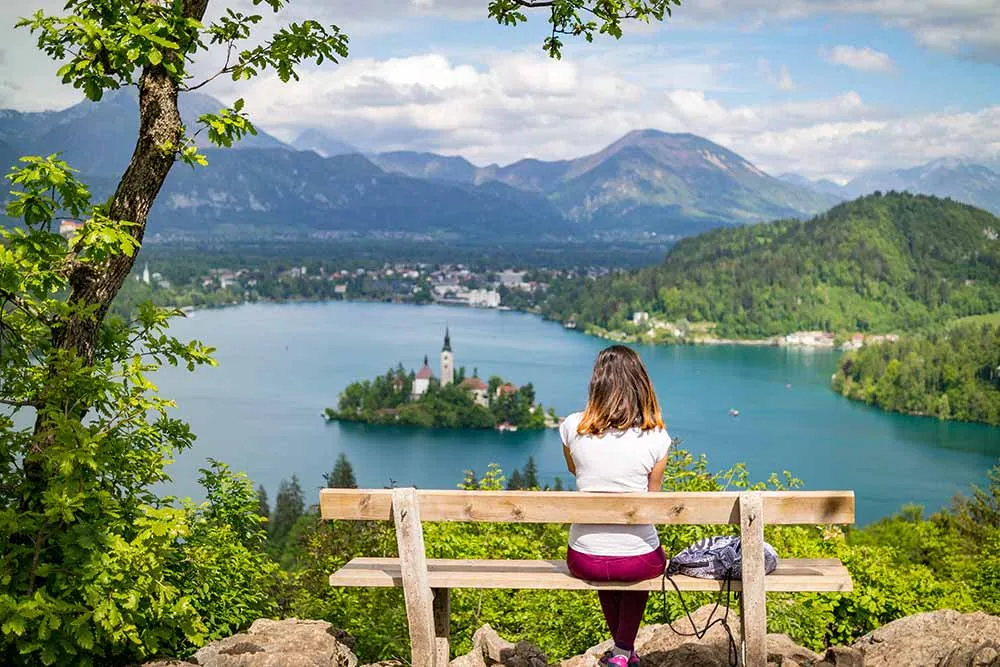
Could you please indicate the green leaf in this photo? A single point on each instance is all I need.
(155, 57)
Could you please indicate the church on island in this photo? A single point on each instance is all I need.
(451, 400)
(474, 385)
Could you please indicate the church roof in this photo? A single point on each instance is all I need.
(507, 389)
(425, 373)
(447, 341)
(473, 384)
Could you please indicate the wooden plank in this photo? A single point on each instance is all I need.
(753, 601)
(782, 507)
(413, 574)
(442, 625)
(792, 575)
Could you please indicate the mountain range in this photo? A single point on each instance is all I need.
(961, 180)
(646, 183)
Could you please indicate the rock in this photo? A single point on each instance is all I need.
(842, 656)
(687, 655)
(489, 648)
(783, 652)
(287, 643)
(932, 640)
(986, 654)
(661, 640)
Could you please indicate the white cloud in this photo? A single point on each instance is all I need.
(968, 28)
(525, 105)
(865, 59)
(782, 79)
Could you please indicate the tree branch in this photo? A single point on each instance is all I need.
(226, 69)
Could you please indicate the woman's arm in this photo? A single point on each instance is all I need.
(569, 461)
(656, 475)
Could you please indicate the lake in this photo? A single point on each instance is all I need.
(280, 365)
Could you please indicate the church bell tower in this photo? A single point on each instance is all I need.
(447, 361)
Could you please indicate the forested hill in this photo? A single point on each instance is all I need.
(891, 262)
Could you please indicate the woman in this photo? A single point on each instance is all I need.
(618, 444)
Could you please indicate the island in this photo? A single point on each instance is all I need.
(417, 398)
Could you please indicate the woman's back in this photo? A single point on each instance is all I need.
(615, 462)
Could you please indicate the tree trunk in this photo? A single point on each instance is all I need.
(97, 286)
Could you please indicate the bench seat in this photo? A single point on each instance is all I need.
(792, 575)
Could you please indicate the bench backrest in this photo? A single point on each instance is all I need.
(717, 507)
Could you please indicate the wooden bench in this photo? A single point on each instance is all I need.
(426, 582)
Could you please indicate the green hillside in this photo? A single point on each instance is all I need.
(892, 262)
(950, 374)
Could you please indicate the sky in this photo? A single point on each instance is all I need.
(822, 88)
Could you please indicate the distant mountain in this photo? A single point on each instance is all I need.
(427, 165)
(647, 180)
(322, 143)
(877, 264)
(666, 182)
(99, 138)
(962, 181)
(8, 156)
(822, 185)
(261, 190)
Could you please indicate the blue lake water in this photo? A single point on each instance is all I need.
(280, 365)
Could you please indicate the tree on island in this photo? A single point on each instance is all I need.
(342, 476)
(515, 482)
(84, 375)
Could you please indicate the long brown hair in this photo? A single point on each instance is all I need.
(621, 395)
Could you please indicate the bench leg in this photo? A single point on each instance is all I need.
(442, 626)
(753, 604)
(416, 589)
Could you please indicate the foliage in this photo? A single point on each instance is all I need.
(388, 399)
(95, 567)
(289, 506)
(527, 478)
(222, 565)
(581, 18)
(880, 263)
(342, 476)
(953, 374)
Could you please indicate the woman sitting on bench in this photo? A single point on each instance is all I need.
(618, 444)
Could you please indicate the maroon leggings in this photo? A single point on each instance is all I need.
(623, 610)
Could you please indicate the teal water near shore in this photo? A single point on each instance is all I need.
(280, 365)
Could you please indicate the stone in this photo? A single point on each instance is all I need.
(687, 655)
(782, 651)
(985, 654)
(842, 656)
(661, 639)
(931, 640)
(489, 648)
(287, 643)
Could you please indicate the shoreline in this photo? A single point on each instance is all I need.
(810, 340)
(616, 336)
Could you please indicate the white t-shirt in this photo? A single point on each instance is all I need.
(616, 462)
